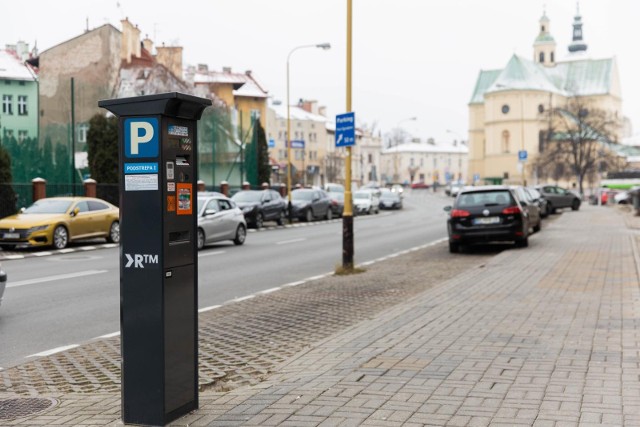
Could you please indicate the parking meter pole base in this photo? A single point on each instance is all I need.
(347, 242)
(158, 249)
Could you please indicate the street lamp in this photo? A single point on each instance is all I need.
(323, 46)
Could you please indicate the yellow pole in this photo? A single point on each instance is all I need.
(288, 142)
(347, 216)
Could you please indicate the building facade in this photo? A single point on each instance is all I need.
(508, 111)
(18, 94)
(425, 162)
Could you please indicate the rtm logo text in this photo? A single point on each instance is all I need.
(139, 260)
(141, 137)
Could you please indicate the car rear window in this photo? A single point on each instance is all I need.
(486, 198)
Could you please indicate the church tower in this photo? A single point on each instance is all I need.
(544, 47)
(577, 44)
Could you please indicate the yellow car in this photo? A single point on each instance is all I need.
(56, 221)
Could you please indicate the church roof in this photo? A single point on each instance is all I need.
(576, 77)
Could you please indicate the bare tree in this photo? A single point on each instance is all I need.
(578, 142)
(332, 164)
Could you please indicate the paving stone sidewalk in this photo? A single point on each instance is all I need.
(546, 335)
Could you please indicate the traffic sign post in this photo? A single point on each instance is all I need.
(157, 139)
(522, 155)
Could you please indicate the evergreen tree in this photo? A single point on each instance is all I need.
(7, 195)
(102, 147)
(264, 168)
(62, 172)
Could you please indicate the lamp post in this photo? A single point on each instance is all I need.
(323, 46)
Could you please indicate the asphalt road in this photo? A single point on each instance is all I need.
(63, 300)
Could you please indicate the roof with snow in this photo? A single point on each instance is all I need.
(413, 147)
(250, 89)
(11, 68)
(296, 113)
(577, 77)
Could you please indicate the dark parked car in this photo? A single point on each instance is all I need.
(390, 200)
(539, 200)
(3, 283)
(487, 214)
(337, 202)
(259, 206)
(529, 206)
(558, 198)
(308, 204)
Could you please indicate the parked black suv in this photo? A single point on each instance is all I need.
(487, 214)
(261, 205)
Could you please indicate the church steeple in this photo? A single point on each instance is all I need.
(578, 44)
(544, 47)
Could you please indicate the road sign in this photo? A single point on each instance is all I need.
(346, 129)
(271, 143)
(297, 143)
(476, 177)
(141, 137)
(522, 155)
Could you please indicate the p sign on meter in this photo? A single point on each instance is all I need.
(141, 137)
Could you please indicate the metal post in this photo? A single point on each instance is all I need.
(347, 217)
(288, 142)
(73, 136)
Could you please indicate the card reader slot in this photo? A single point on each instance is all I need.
(179, 237)
(182, 160)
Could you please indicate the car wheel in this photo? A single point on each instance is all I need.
(454, 248)
(550, 208)
(60, 237)
(329, 214)
(114, 232)
(259, 222)
(522, 243)
(575, 205)
(241, 235)
(537, 227)
(308, 216)
(369, 211)
(200, 241)
(282, 218)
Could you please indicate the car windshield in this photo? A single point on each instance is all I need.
(247, 196)
(201, 203)
(486, 198)
(335, 188)
(45, 206)
(388, 195)
(302, 195)
(361, 195)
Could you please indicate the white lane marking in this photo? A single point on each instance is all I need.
(286, 242)
(114, 334)
(212, 307)
(210, 253)
(53, 351)
(45, 253)
(54, 278)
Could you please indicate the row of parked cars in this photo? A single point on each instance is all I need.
(500, 213)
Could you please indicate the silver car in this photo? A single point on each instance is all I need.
(219, 219)
(3, 283)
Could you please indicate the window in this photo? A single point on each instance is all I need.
(505, 109)
(505, 141)
(83, 129)
(22, 105)
(224, 204)
(22, 135)
(552, 57)
(97, 206)
(82, 207)
(541, 57)
(540, 108)
(370, 158)
(21, 83)
(7, 104)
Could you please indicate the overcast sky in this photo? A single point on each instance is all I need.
(410, 57)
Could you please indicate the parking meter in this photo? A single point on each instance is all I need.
(157, 137)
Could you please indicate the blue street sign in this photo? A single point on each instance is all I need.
(476, 177)
(297, 143)
(141, 137)
(271, 143)
(522, 155)
(346, 129)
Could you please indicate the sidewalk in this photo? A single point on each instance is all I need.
(545, 336)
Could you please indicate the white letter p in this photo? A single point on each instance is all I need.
(136, 139)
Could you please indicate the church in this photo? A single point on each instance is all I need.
(508, 111)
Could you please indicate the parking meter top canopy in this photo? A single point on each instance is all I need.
(172, 104)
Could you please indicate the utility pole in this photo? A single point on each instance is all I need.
(73, 136)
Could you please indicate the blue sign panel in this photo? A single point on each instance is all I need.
(271, 143)
(141, 137)
(130, 168)
(297, 143)
(522, 155)
(476, 177)
(346, 129)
